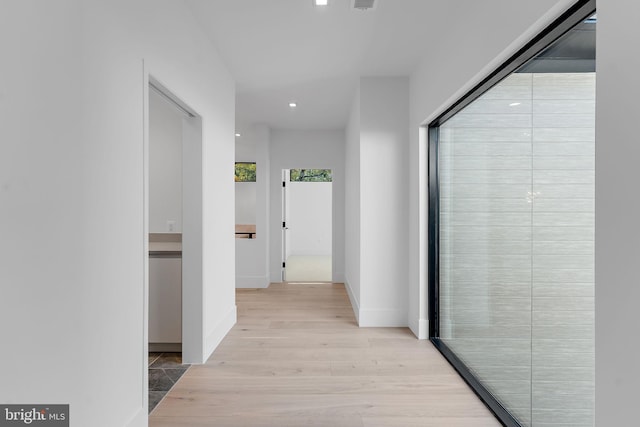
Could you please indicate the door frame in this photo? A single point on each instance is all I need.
(286, 179)
(192, 227)
(285, 215)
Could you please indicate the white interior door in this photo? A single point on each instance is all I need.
(308, 227)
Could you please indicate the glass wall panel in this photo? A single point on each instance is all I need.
(563, 249)
(486, 182)
(516, 235)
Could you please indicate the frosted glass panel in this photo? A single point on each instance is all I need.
(486, 183)
(516, 170)
(563, 249)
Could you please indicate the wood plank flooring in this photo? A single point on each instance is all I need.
(297, 358)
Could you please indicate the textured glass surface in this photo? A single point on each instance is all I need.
(485, 156)
(516, 244)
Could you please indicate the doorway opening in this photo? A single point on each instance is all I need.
(173, 229)
(307, 225)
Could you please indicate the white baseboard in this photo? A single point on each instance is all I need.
(378, 318)
(420, 328)
(219, 332)
(355, 304)
(252, 282)
(275, 277)
(382, 318)
(140, 418)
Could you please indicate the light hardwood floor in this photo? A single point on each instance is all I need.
(297, 358)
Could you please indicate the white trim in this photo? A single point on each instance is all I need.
(275, 277)
(140, 418)
(216, 336)
(169, 96)
(193, 287)
(192, 246)
(423, 233)
(382, 318)
(252, 282)
(355, 304)
(144, 410)
(419, 327)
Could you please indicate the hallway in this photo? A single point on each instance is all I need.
(296, 357)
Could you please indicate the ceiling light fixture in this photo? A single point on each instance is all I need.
(293, 105)
(320, 2)
(514, 104)
(238, 135)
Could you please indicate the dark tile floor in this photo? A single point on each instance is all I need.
(165, 369)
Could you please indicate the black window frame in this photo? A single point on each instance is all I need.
(579, 12)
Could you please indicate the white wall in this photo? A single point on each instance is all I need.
(246, 209)
(309, 218)
(165, 165)
(71, 196)
(246, 192)
(310, 150)
(617, 215)
(352, 205)
(380, 156)
(252, 255)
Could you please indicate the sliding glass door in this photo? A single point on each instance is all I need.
(512, 232)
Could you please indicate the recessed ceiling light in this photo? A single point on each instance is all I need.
(238, 135)
(293, 104)
(514, 104)
(320, 2)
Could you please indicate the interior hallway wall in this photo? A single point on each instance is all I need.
(71, 196)
(165, 165)
(246, 210)
(292, 149)
(352, 205)
(617, 214)
(377, 151)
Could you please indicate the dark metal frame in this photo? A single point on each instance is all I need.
(577, 13)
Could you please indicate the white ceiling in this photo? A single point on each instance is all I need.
(289, 50)
(284, 50)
